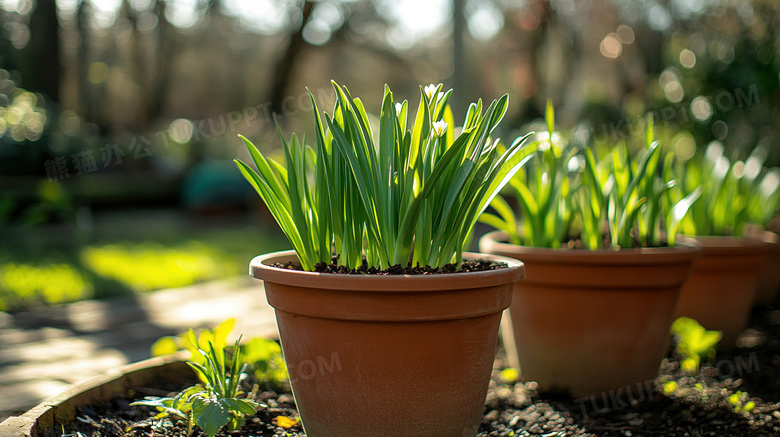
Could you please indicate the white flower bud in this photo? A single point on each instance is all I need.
(430, 89)
(439, 127)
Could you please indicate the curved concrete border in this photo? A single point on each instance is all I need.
(45, 418)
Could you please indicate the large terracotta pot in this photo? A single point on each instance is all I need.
(720, 292)
(388, 355)
(769, 276)
(586, 322)
(49, 417)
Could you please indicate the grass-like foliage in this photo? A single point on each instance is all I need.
(388, 193)
(734, 192)
(542, 189)
(626, 195)
(565, 192)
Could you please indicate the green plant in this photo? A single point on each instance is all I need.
(764, 201)
(214, 403)
(193, 343)
(739, 401)
(542, 189)
(386, 190)
(624, 196)
(618, 196)
(266, 361)
(694, 342)
(669, 387)
(263, 356)
(734, 193)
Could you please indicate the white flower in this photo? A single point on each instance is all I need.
(439, 127)
(398, 108)
(430, 89)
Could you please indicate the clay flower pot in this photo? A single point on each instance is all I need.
(769, 276)
(720, 292)
(48, 417)
(586, 322)
(388, 355)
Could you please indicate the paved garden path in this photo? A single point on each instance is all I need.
(42, 351)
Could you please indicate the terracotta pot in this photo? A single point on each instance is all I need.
(720, 292)
(769, 276)
(586, 322)
(388, 355)
(47, 418)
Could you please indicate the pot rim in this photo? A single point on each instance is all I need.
(261, 268)
(495, 242)
(730, 245)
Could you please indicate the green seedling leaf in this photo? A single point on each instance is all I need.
(677, 214)
(210, 414)
(690, 365)
(669, 388)
(649, 134)
(221, 332)
(165, 346)
(694, 342)
(549, 117)
(740, 403)
(242, 405)
(165, 406)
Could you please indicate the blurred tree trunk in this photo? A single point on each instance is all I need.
(157, 46)
(6, 54)
(136, 65)
(164, 55)
(43, 69)
(458, 79)
(83, 15)
(285, 66)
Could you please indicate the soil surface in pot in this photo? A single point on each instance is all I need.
(398, 269)
(736, 394)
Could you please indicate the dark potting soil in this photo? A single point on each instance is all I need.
(700, 405)
(398, 269)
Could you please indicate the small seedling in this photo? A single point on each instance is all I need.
(214, 403)
(263, 356)
(694, 342)
(739, 401)
(193, 342)
(669, 387)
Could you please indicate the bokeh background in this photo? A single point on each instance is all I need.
(119, 118)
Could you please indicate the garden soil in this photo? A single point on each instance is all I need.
(736, 394)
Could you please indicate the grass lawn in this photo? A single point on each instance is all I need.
(131, 251)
